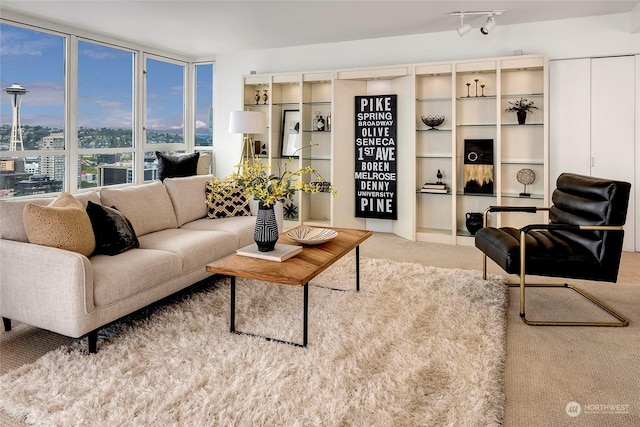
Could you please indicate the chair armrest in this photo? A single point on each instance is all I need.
(529, 209)
(574, 227)
(530, 227)
(525, 209)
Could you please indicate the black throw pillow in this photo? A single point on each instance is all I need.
(114, 232)
(176, 167)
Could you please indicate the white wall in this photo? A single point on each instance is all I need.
(572, 38)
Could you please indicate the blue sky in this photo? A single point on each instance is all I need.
(36, 61)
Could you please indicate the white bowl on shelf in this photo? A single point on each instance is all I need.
(311, 235)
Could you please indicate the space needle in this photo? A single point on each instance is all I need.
(16, 91)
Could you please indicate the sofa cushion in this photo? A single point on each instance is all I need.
(188, 197)
(62, 224)
(204, 163)
(118, 277)
(242, 226)
(177, 166)
(226, 205)
(147, 206)
(114, 232)
(195, 248)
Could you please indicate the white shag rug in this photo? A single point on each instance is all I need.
(417, 346)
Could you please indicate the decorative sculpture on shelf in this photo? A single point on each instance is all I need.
(526, 177)
(432, 121)
(439, 176)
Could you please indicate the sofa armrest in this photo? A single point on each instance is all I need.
(45, 287)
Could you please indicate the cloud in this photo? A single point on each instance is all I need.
(98, 53)
(19, 42)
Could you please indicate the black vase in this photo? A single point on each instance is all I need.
(474, 222)
(522, 117)
(266, 231)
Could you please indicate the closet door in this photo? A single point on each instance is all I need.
(613, 127)
(613, 117)
(569, 112)
(592, 120)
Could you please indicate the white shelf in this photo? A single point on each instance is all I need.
(438, 88)
(480, 117)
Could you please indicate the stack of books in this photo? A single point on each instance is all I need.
(433, 187)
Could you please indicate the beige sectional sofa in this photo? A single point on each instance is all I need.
(75, 295)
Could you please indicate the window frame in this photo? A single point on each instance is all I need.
(72, 36)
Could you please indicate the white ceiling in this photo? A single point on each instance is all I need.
(202, 29)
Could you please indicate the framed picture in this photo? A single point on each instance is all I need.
(478, 166)
(291, 135)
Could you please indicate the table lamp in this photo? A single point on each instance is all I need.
(247, 123)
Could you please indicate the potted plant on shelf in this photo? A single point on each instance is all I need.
(257, 182)
(521, 107)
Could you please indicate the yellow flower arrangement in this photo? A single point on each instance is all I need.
(257, 182)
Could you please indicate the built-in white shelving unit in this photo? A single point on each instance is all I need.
(472, 109)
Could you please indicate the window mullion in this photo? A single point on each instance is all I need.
(71, 112)
(139, 115)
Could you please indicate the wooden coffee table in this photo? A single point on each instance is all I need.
(296, 271)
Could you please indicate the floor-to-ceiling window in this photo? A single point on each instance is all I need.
(93, 112)
(204, 126)
(105, 118)
(33, 147)
(165, 110)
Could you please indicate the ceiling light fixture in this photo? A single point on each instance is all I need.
(464, 29)
(488, 26)
(491, 22)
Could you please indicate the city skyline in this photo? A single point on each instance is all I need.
(35, 60)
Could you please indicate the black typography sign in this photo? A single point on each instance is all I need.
(375, 144)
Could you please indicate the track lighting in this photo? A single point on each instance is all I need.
(464, 29)
(491, 22)
(488, 26)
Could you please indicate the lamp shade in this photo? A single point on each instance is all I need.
(247, 122)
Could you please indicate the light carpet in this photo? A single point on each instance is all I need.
(417, 346)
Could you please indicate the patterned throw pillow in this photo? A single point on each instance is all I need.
(235, 204)
(62, 224)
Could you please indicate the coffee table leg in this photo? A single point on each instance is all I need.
(305, 314)
(305, 317)
(232, 322)
(358, 268)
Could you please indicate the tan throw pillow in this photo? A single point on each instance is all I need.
(63, 224)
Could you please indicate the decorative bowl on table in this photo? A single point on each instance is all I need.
(311, 235)
(432, 121)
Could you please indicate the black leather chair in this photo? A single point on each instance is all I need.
(583, 240)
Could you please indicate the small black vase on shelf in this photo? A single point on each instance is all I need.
(473, 222)
(522, 117)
